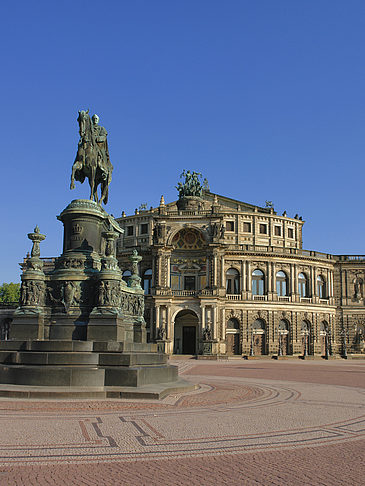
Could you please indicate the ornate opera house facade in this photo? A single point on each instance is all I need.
(223, 277)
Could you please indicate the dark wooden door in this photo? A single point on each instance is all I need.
(233, 344)
(259, 344)
(189, 340)
(323, 345)
(285, 344)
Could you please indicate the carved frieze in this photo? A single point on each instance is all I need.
(32, 293)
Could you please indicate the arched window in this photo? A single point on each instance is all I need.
(283, 326)
(323, 328)
(233, 324)
(281, 283)
(232, 281)
(302, 285)
(258, 282)
(126, 275)
(258, 326)
(305, 327)
(147, 280)
(321, 287)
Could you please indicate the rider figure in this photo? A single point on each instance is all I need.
(100, 135)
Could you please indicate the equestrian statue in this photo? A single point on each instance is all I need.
(92, 158)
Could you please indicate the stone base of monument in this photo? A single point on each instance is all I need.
(79, 330)
(86, 369)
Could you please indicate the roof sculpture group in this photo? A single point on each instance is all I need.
(192, 185)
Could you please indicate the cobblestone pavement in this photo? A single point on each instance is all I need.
(250, 422)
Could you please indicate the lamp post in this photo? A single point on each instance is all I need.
(305, 352)
(329, 342)
(326, 344)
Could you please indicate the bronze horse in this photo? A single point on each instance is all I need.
(91, 161)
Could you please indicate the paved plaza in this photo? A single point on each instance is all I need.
(259, 422)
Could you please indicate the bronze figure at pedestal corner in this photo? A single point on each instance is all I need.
(92, 158)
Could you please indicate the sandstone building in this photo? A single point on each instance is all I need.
(224, 277)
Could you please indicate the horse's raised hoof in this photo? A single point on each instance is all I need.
(72, 185)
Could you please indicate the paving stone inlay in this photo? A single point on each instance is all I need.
(228, 414)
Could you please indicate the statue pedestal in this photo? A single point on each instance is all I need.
(207, 347)
(190, 203)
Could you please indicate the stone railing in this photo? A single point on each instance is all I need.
(306, 300)
(184, 293)
(280, 251)
(187, 212)
(349, 258)
(233, 296)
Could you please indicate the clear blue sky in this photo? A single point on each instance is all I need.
(265, 97)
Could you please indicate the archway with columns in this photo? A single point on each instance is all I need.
(186, 332)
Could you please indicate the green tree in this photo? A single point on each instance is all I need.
(9, 292)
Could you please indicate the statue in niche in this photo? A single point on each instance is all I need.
(215, 230)
(222, 231)
(109, 248)
(23, 294)
(157, 233)
(207, 333)
(161, 334)
(358, 283)
(101, 293)
(108, 293)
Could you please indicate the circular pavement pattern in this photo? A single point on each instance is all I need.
(245, 419)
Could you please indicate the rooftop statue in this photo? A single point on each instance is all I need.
(92, 158)
(191, 186)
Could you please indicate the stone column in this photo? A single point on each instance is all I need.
(295, 280)
(243, 276)
(222, 272)
(270, 286)
(313, 284)
(329, 293)
(215, 273)
(248, 275)
(223, 323)
(203, 317)
(168, 269)
(168, 322)
(214, 323)
(157, 317)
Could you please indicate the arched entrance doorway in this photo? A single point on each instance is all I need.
(233, 336)
(306, 337)
(186, 332)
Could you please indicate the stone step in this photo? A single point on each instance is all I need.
(140, 375)
(47, 346)
(131, 359)
(43, 358)
(51, 375)
(152, 392)
(121, 347)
